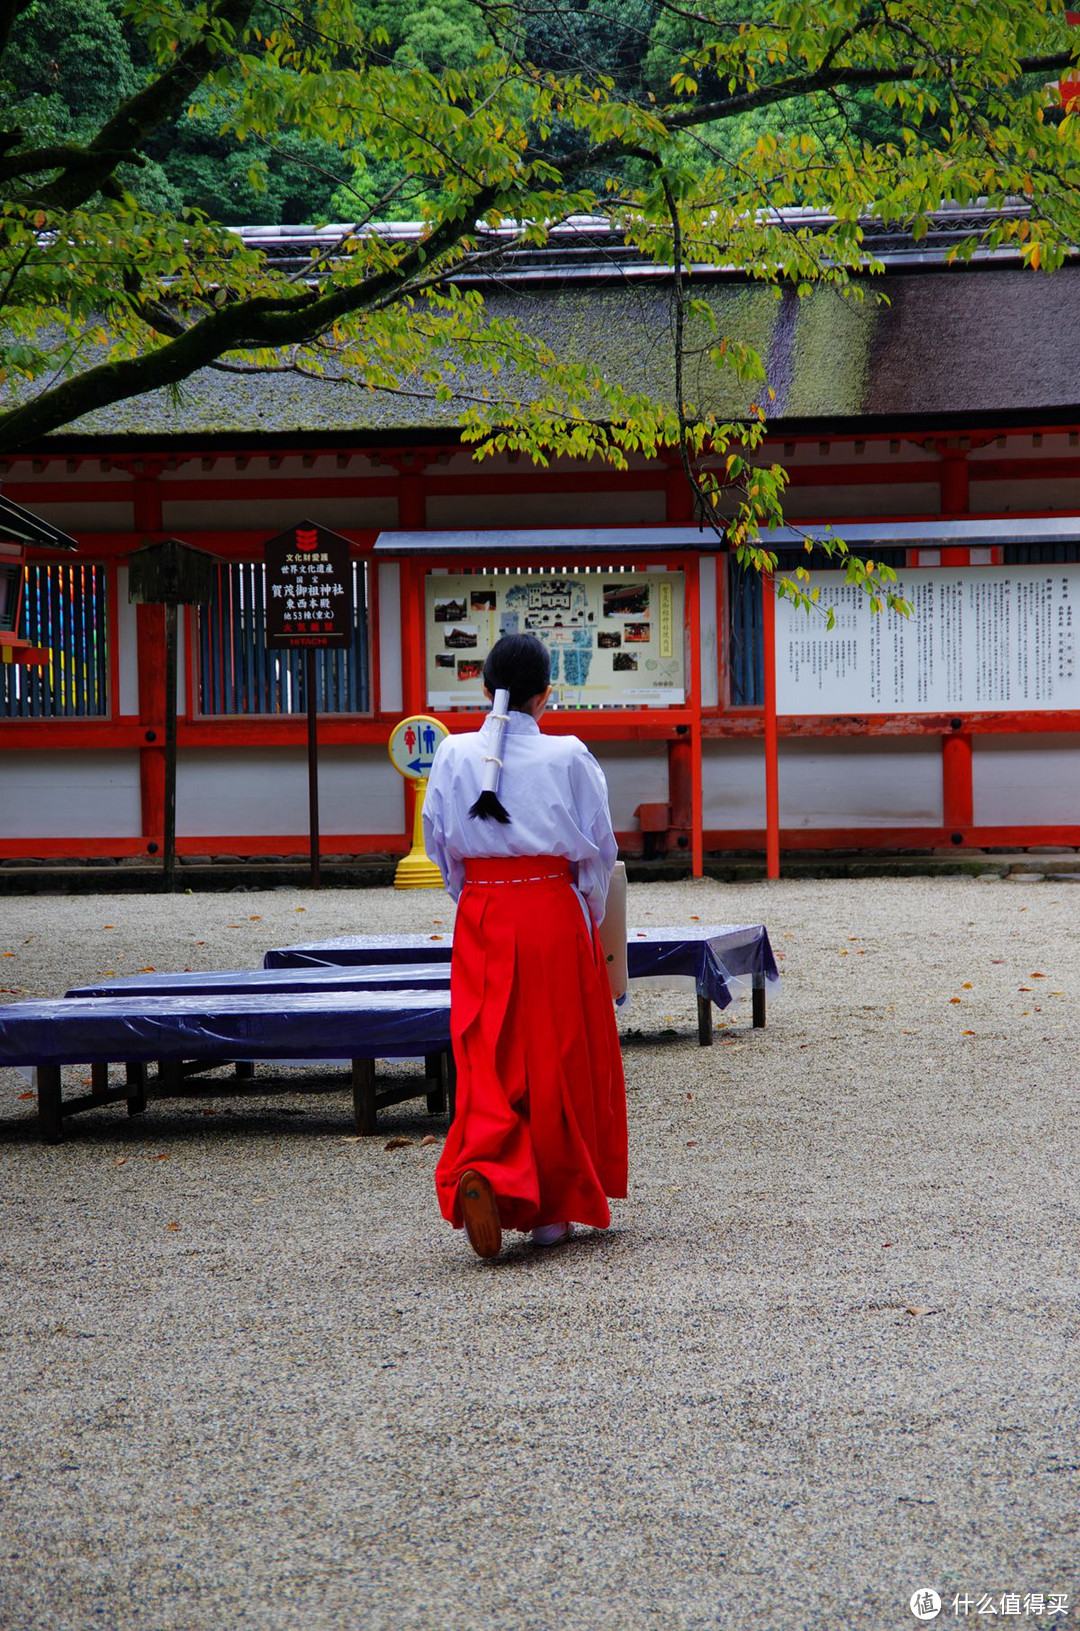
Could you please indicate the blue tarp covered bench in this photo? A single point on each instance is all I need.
(721, 959)
(195, 1031)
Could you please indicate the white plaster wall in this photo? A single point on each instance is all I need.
(709, 645)
(69, 795)
(843, 782)
(906, 498)
(253, 791)
(1027, 781)
(82, 518)
(274, 515)
(542, 509)
(127, 646)
(1000, 497)
(733, 784)
(390, 680)
(637, 773)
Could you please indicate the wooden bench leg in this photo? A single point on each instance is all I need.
(170, 1075)
(135, 1075)
(704, 1022)
(99, 1078)
(758, 999)
(433, 1070)
(244, 1069)
(50, 1112)
(363, 1091)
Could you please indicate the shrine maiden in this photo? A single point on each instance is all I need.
(518, 825)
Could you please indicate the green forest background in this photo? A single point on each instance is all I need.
(69, 61)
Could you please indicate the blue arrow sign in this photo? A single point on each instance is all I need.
(419, 765)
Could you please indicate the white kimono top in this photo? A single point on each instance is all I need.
(550, 786)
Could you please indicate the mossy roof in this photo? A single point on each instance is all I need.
(957, 342)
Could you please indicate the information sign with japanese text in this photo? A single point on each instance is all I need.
(309, 598)
(977, 638)
(615, 637)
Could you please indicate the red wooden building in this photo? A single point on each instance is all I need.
(938, 431)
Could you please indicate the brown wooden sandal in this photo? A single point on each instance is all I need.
(480, 1214)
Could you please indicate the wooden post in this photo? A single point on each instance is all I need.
(958, 801)
(772, 754)
(169, 834)
(312, 764)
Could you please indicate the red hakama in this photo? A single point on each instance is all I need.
(541, 1103)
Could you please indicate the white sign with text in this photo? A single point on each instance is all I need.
(978, 638)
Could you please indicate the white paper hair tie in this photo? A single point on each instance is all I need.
(499, 717)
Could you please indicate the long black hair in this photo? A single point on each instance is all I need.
(519, 664)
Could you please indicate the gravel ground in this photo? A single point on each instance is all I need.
(826, 1355)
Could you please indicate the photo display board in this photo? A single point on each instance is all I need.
(615, 638)
(978, 638)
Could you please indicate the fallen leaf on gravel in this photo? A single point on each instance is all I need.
(435, 937)
(966, 986)
(1023, 988)
(28, 1095)
(1036, 976)
(1053, 993)
(200, 942)
(691, 1143)
(885, 1244)
(967, 1033)
(161, 1158)
(429, 1138)
(109, 925)
(150, 969)
(694, 918)
(854, 936)
(121, 1162)
(997, 959)
(396, 1143)
(299, 908)
(260, 1200)
(174, 1225)
(9, 954)
(110, 971)
(909, 1309)
(843, 953)
(255, 918)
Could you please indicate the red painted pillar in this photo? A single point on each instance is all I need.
(957, 791)
(772, 744)
(150, 655)
(954, 481)
(958, 795)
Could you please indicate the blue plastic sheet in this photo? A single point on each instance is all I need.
(380, 977)
(353, 949)
(138, 1028)
(719, 957)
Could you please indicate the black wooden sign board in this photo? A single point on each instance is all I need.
(309, 599)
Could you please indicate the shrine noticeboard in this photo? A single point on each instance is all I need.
(615, 638)
(978, 638)
(309, 598)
